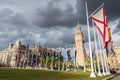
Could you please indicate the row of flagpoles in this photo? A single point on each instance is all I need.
(103, 36)
(26, 58)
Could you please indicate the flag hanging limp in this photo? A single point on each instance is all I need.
(100, 20)
(85, 54)
(68, 54)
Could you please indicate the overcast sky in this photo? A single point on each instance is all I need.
(51, 22)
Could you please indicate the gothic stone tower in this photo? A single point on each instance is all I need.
(79, 42)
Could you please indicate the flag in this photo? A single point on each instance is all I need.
(60, 55)
(111, 49)
(101, 21)
(44, 55)
(19, 56)
(109, 34)
(75, 53)
(34, 58)
(38, 59)
(93, 53)
(55, 55)
(30, 57)
(85, 54)
(109, 44)
(107, 51)
(68, 54)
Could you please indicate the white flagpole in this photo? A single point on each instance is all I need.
(6, 58)
(73, 51)
(84, 64)
(52, 58)
(92, 71)
(98, 63)
(108, 71)
(63, 59)
(18, 52)
(96, 10)
(74, 61)
(31, 58)
(36, 52)
(59, 59)
(93, 56)
(27, 59)
(23, 59)
(95, 66)
(104, 60)
(41, 58)
(46, 59)
(66, 57)
(101, 54)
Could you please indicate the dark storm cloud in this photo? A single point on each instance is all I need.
(18, 27)
(53, 15)
(68, 37)
(13, 25)
(8, 16)
(111, 7)
(50, 24)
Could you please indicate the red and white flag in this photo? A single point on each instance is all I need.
(101, 21)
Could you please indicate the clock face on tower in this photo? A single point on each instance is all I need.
(77, 37)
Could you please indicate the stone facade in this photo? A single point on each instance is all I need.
(18, 55)
(114, 61)
(8, 55)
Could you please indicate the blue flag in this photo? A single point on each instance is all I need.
(93, 53)
(75, 53)
(107, 51)
(68, 54)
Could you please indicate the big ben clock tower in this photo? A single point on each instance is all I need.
(79, 42)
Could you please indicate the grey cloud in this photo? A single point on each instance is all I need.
(53, 15)
(50, 24)
(13, 25)
(111, 7)
(117, 29)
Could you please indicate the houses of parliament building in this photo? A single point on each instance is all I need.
(21, 55)
(18, 55)
(15, 51)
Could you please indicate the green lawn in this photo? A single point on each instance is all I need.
(31, 74)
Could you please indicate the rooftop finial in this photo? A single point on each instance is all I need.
(78, 25)
(17, 41)
(78, 22)
(78, 29)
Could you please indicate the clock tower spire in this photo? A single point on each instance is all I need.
(79, 42)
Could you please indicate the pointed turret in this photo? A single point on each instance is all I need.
(18, 42)
(10, 46)
(78, 28)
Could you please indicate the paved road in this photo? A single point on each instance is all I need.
(115, 78)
